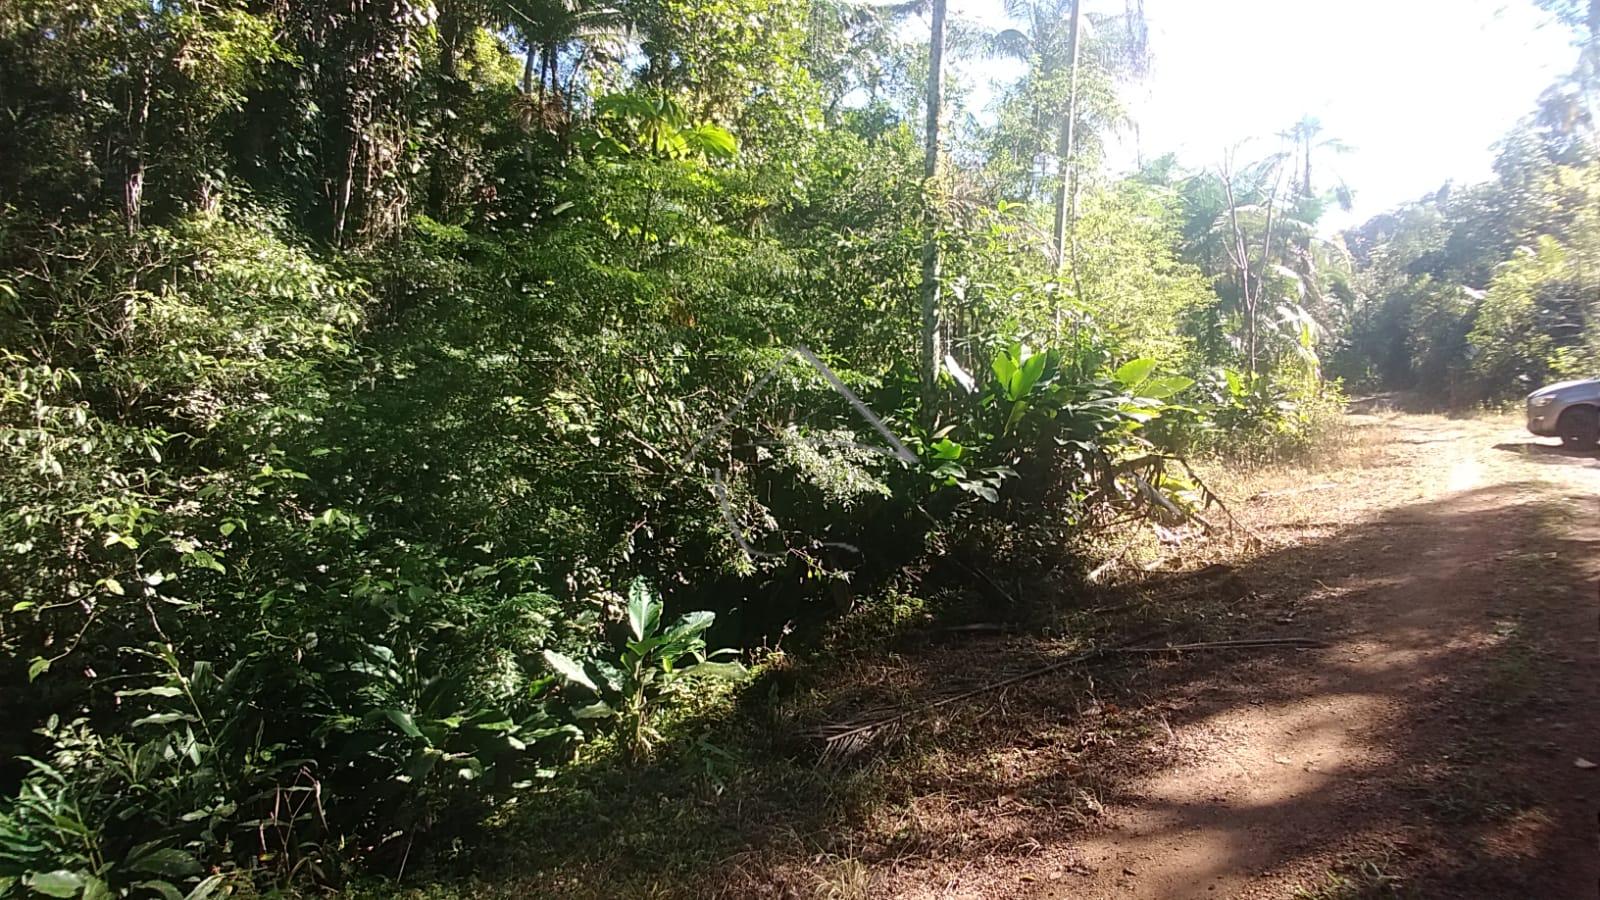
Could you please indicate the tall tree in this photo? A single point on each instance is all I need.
(586, 31)
(1583, 16)
(1064, 48)
(1048, 41)
(1066, 192)
(1305, 203)
(929, 291)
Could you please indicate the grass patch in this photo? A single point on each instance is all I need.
(842, 878)
(1471, 795)
(1515, 668)
(1372, 878)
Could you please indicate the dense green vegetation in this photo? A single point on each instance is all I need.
(399, 398)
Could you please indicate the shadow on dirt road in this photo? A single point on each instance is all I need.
(1437, 736)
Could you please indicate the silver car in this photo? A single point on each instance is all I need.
(1569, 410)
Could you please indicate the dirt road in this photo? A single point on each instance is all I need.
(1443, 744)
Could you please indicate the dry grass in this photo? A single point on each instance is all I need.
(1371, 878)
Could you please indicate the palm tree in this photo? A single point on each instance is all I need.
(1051, 39)
(849, 47)
(1305, 135)
(929, 289)
(587, 32)
(1306, 138)
(1258, 232)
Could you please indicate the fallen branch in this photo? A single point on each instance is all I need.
(1004, 595)
(1114, 559)
(849, 738)
(1243, 643)
(977, 627)
(1146, 470)
(1211, 498)
(1285, 492)
(1204, 571)
(1097, 571)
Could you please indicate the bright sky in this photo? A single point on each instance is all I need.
(1420, 89)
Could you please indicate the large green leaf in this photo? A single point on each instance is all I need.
(730, 671)
(637, 650)
(569, 669)
(166, 718)
(690, 625)
(644, 609)
(168, 862)
(60, 883)
(1017, 409)
(1005, 366)
(1019, 370)
(711, 140)
(403, 721)
(421, 763)
(609, 680)
(1133, 373)
(1028, 376)
(206, 888)
(1164, 387)
(596, 710)
(95, 889)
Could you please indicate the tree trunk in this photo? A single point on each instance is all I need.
(929, 364)
(133, 177)
(1305, 184)
(1591, 82)
(346, 189)
(554, 52)
(133, 194)
(1063, 141)
(451, 30)
(1239, 255)
(1066, 144)
(444, 179)
(1304, 263)
(527, 71)
(1248, 306)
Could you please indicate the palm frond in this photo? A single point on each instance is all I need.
(1011, 43)
(851, 737)
(1019, 10)
(905, 9)
(848, 738)
(1345, 197)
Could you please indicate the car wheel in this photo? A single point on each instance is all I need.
(1579, 427)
